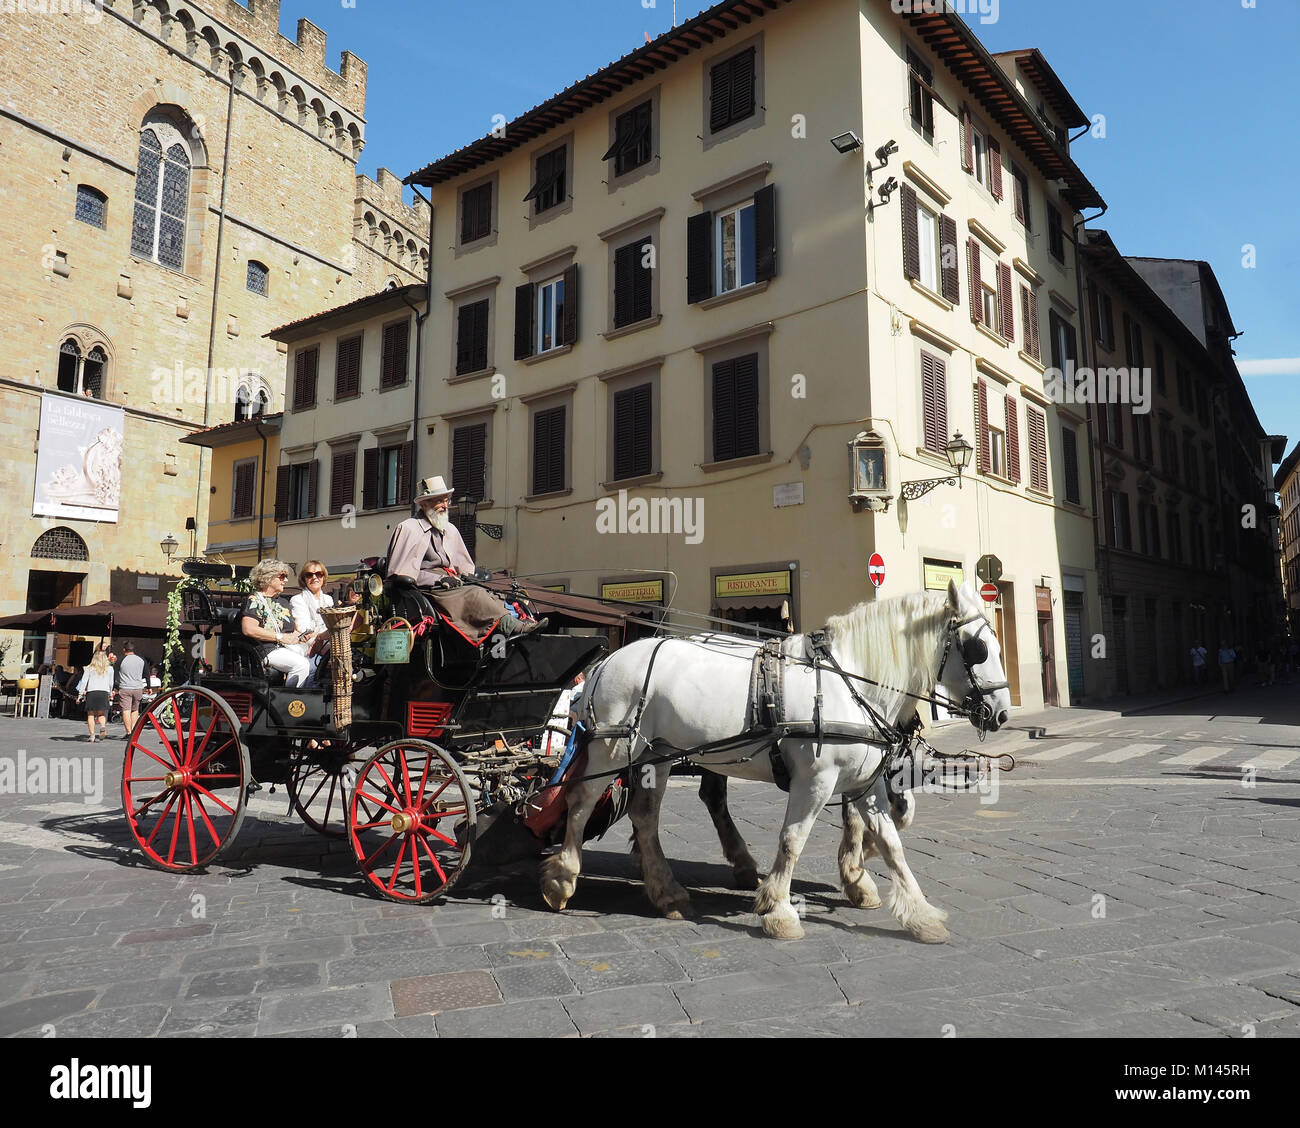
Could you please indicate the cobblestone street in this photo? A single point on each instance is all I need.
(1116, 884)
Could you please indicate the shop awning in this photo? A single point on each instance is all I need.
(133, 620)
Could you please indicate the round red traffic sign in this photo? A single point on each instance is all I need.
(876, 569)
(989, 593)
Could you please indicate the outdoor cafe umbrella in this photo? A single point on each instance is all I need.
(133, 620)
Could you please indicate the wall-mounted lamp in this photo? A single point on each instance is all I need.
(888, 149)
(169, 545)
(887, 189)
(463, 512)
(847, 142)
(958, 452)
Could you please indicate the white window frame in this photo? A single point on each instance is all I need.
(997, 452)
(390, 460)
(989, 291)
(929, 239)
(746, 257)
(980, 154)
(299, 491)
(550, 298)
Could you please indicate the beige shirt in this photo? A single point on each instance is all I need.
(420, 552)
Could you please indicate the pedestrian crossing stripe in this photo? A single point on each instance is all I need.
(1128, 752)
(1201, 754)
(1271, 759)
(1060, 752)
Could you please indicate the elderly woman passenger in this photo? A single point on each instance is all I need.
(306, 607)
(267, 622)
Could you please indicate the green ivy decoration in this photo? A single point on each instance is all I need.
(173, 648)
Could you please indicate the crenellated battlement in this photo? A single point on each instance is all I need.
(385, 195)
(210, 23)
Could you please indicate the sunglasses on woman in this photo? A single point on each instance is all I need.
(313, 575)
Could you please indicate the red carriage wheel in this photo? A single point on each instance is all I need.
(411, 821)
(184, 779)
(321, 782)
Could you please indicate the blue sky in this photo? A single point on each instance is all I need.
(1200, 157)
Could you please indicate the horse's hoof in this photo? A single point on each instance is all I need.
(780, 926)
(745, 878)
(677, 910)
(556, 891)
(931, 933)
(861, 897)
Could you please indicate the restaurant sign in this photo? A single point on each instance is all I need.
(752, 583)
(637, 591)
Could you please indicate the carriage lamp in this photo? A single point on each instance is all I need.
(462, 513)
(169, 545)
(958, 452)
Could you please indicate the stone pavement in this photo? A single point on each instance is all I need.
(1130, 900)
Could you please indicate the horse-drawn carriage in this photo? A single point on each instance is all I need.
(415, 745)
(421, 747)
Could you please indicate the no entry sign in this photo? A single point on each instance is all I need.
(876, 569)
(989, 593)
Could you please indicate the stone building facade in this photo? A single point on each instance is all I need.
(179, 178)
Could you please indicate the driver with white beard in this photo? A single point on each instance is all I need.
(429, 551)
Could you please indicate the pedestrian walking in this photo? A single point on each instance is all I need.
(130, 686)
(96, 689)
(1199, 654)
(1227, 660)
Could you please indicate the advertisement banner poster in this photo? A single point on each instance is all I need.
(79, 464)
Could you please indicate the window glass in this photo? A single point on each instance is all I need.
(736, 248)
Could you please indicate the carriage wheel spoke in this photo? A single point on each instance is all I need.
(434, 859)
(424, 775)
(176, 830)
(401, 853)
(228, 809)
(189, 829)
(369, 863)
(161, 818)
(323, 780)
(212, 755)
(207, 822)
(406, 778)
(166, 743)
(439, 835)
(161, 762)
(329, 799)
(381, 803)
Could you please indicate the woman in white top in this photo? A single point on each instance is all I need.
(306, 607)
(96, 689)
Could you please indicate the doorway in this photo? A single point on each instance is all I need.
(1046, 645)
(51, 589)
(1004, 623)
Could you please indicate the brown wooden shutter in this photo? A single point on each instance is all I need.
(347, 368)
(525, 311)
(742, 85)
(973, 271)
(949, 270)
(765, 233)
(1029, 314)
(642, 282)
(967, 142)
(724, 410)
(720, 97)
(464, 339)
(395, 351)
(313, 476)
(1037, 448)
(1070, 458)
(934, 402)
(404, 473)
(242, 490)
(1005, 306)
(281, 493)
(570, 326)
(1124, 519)
(369, 479)
(343, 480)
(548, 450)
(633, 447)
(982, 426)
(469, 448)
(995, 169)
(699, 257)
(304, 384)
(911, 234)
(626, 262)
(1013, 438)
(747, 412)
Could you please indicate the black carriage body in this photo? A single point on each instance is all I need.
(448, 690)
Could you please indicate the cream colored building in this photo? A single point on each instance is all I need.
(663, 307)
(179, 178)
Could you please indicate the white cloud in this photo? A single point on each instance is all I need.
(1278, 366)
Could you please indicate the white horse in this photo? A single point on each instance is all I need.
(682, 694)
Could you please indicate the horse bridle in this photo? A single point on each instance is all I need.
(973, 650)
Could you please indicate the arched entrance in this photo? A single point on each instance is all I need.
(60, 561)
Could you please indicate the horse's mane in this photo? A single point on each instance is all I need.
(893, 641)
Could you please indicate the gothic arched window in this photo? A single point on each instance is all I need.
(162, 193)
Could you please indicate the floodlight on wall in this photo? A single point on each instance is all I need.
(887, 189)
(847, 142)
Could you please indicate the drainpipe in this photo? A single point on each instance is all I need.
(419, 343)
(261, 490)
(216, 281)
(1088, 353)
